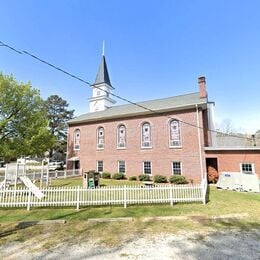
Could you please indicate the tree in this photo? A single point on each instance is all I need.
(256, 138)
(58, 115)
(257, 134)
(226, 126)
(23, 120)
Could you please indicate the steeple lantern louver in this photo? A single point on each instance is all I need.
(101, 89)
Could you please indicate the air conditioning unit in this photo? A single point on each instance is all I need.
(239, 181)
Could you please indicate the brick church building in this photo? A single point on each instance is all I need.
(169, 136)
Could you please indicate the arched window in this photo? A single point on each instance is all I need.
(121, 136)
(146, 135)
(100, 137)
(77, 139)
(175, 135)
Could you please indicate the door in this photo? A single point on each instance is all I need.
(212, 169)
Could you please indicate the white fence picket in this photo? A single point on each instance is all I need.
(115, 195)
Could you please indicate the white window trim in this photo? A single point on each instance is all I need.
(74, 137)
(172, 168)
(97, 165)
(151, 145)
(252, 164)
(117, 141)
(146, 147)
(97, 134)
(121, 148)
(169, 134)
(151, 174)
(118, 166)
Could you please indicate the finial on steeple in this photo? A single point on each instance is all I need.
(103, 50)
(102, 75)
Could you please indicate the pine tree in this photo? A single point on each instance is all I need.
(58, 114)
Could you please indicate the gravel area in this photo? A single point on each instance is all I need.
(189, 245)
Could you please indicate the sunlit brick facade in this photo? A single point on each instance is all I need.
(170, 136)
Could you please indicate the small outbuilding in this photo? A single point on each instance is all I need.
(91, 179)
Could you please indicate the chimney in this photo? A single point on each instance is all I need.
(202, 87)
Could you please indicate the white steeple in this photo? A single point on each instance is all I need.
(101, 89)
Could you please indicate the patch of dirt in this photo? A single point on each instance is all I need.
(186, 245)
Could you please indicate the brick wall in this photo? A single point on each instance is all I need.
(160, 154)
(231, 160)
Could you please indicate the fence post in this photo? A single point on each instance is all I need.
(6, 173)
(78, 198)
(171, 195)
(65, 174)
(29, 200)
(124, 196)
(16, 176)
(204, 190)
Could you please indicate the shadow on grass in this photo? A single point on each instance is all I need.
(13, 230)
(225, 224)
(68, 215)
(208, 194)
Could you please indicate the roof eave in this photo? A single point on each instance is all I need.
(232, 148)
(147, 112)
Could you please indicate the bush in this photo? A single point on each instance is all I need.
(118, 176)
(160, 179)
(132, 178)
(178, 179)
(92, 173)
(212, 175)
(106, 175)
(144, 177)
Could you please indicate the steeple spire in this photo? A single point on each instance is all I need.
(102, 75)
(103, 50)
(101, 88)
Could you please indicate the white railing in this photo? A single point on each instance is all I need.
(37, 175)
(64, 174)
(117, 195)
(2, 184)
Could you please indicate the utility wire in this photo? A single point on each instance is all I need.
(112, 94)
(72, 75)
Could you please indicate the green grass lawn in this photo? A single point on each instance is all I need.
(78, 181)
(221, 202)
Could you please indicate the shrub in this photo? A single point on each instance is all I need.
(160, 179)
(92, 173)
(178, 179)
(132, 178)
(106, 175)
(118, 176)
(212, 175)
(144, 177)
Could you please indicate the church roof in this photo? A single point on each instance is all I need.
(129, 110)
(102, 75)
(235, 140)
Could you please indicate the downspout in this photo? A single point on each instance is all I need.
(67, 151)
(200, 151)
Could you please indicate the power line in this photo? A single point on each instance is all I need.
(112, 94)
(71, 75)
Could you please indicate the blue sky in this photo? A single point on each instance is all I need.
(154, 49)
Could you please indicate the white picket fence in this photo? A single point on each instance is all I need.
(117, 195)
(37, 175)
